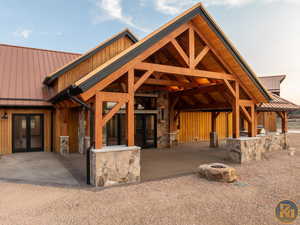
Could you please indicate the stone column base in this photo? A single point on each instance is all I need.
(115, 165)
(64, 145)
(246, 149)
(214, 142)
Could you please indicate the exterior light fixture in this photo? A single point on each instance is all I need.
(4, 116)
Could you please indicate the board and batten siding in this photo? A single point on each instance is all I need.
(93, 62)
(196, 126)
(6, 128)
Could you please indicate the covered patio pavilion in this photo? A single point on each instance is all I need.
(188, 64)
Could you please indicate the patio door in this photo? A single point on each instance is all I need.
(27, 132)
(145, 130)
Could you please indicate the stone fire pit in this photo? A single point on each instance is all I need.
(217, 172)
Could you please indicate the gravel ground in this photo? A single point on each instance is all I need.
(181, 200)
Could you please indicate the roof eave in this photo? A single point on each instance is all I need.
(133, 53)
(50, 79)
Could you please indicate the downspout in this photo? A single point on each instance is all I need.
(88, 151)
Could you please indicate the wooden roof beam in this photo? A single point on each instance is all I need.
(199, 90)
(201, 55)
(183, 71)
(162, 82)
(180, 51)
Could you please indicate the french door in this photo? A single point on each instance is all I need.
(28, 132)
(145, 130)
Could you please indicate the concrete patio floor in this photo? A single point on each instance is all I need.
(179, 160)
(51, 168)
(37, 168)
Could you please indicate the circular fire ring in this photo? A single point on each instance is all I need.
(217, 172)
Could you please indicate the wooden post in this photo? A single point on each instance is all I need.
(252, 127)
(236, 112)
(130, 108)
(284, 122)
(214, 116)
(213, 135)
(98, 121)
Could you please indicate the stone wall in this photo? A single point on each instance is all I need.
(163, 136)
(246, 149)
(115, 165)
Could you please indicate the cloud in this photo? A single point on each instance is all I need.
(174, 7)
(23, 33)
(112, 10)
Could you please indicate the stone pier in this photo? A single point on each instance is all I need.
(64, 145)
(246, 149)
(214, 142)
(114, 165)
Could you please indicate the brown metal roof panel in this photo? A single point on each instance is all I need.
(23, 69)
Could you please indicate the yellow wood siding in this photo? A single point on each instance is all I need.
(93, 62)
(196, 126)
(6, 128)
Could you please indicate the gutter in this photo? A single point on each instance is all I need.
(88, 151)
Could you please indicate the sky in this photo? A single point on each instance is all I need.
(266, 32)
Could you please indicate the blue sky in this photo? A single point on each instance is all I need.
(266, 32)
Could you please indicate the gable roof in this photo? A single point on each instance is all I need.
(50, 78)
(127, 55)
(22, 70)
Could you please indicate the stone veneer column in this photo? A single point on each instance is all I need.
(214, 142)
(113, 165)
(64, 145)
(81, 132)
(163, 133)
(87, 142)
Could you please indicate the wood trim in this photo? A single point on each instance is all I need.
(183, 71)
(246, 113)
(180, 51)
(98, 120)
(199, 90)
(112, 112)
(221, 59)
(142, 79)
(246, 102)
(113, 96)
(130, 109)
(191, 47)
(201, 55)
(124, 69)
(228, 85)
(236, 112)
(162, 82)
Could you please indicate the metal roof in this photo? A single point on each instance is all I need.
(22, 71)
(117, 62)
(51, 77)
(277, 104)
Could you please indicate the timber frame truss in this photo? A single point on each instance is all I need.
(183, 79)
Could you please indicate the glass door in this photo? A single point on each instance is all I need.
(150, 131)
(19, 133)
(145, 130)
(36, 133)
(27, 132)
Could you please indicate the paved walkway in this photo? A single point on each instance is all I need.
(35, 168)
